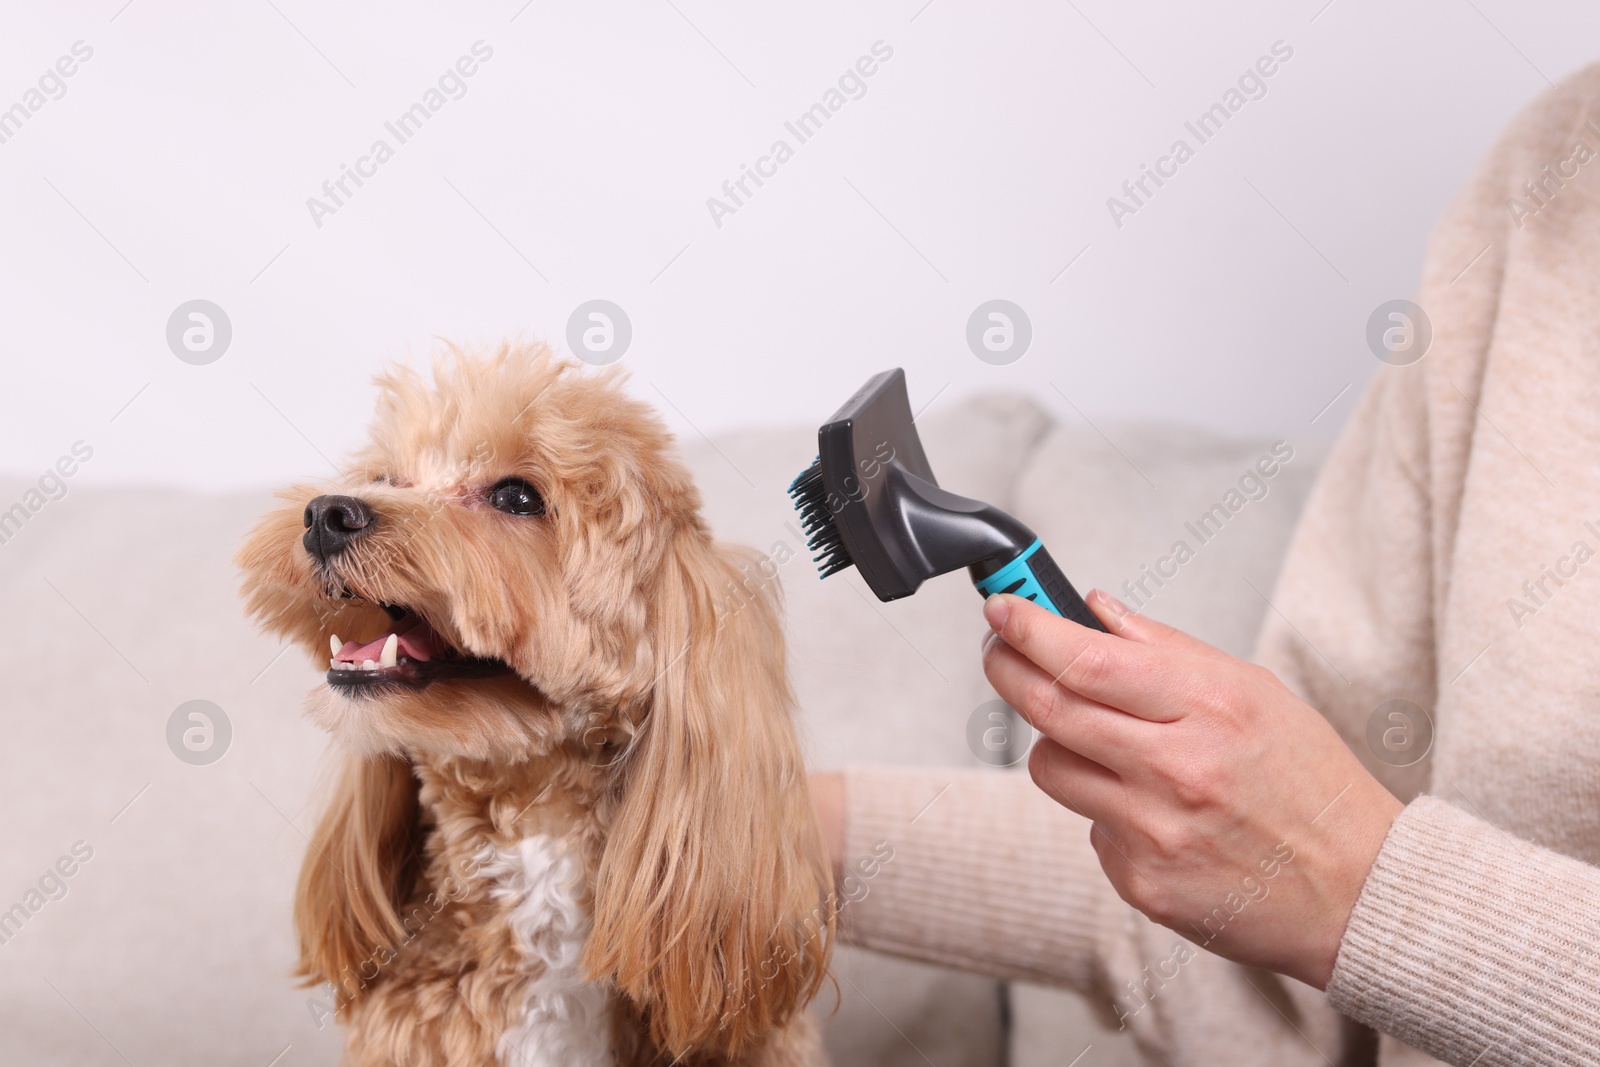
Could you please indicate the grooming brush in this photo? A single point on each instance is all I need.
(871, 500)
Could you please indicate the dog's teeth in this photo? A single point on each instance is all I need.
(334, 644)
(369, 665)
(391, 652)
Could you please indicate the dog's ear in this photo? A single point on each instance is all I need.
(713, 904)
(360, 866)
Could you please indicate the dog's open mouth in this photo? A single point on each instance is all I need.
(412, 654)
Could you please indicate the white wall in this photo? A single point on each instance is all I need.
(977, 165)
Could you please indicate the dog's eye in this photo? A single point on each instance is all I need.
(516, 497)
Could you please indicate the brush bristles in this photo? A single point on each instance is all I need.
(811, 501)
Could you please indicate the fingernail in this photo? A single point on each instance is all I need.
(996, 609)
(1116, 605)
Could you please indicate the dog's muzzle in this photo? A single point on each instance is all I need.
(334, 523)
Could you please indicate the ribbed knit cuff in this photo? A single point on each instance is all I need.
(971, 869)
(1473, 946)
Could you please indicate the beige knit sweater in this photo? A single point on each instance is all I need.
(1447, 557)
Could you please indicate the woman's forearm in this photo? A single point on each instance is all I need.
(827, 798)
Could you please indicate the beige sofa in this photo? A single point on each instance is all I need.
(170, 943)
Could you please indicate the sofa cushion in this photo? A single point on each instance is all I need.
(172, 942)
(1111, 515)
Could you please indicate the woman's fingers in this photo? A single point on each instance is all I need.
(1131, 626)
(1103, 734)
(1133, 676)
(1076, 783)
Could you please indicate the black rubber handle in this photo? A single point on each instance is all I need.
(1067, 602)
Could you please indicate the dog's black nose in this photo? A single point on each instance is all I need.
(333, 523)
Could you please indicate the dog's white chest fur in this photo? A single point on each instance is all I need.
(564, 1018)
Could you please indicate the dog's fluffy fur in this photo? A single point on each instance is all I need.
(605, 854)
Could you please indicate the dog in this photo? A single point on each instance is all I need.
(571, 826)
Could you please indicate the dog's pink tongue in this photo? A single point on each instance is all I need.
(416, 641)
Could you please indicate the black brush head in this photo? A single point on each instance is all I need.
(870, 500)
(843, 496)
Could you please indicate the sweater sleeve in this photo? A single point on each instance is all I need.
(979, 870)
(1473, 946)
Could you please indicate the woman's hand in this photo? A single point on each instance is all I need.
(1224, 807)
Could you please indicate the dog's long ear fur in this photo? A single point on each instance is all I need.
(361, 864)
(713, 903)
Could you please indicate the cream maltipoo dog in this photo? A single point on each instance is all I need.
(572, 826)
